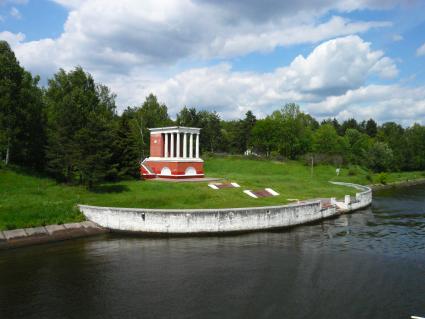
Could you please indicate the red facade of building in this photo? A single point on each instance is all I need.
(174, 153)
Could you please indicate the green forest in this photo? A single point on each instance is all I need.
(71, 130)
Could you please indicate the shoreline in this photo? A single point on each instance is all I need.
(22, 237)
(413, 182)
(46, 234)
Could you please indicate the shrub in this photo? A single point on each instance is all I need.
(382, 178)
(274, 154)
(369, 177)
(352, 171)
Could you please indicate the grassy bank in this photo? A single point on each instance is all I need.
(27, 200)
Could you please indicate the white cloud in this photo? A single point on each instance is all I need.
(332, 69)
(14, 12)
(383, 102)
(13, 39)
(138, 47)
(72, 4)
(421, 50)
(115, 36)
(397, 37)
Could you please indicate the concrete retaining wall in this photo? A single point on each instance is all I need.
(186, 221)
(37, 235)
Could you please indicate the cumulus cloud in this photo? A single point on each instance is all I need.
(115, 36)
(331, 69)
(383, 102)
(138, 47)
(12, 38)
(421, 50)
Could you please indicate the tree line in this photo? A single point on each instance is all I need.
(71, 129)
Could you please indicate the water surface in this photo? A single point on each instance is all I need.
(370, 264)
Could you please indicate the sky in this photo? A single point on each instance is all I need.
(335, 58)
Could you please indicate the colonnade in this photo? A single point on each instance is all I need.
(173, 148)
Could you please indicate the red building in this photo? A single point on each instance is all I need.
(174, 153)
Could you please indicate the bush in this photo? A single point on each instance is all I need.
(352, 171)
(274, 154)
(369, 177)
(382, 178)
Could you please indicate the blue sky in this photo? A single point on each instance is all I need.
(335, 58)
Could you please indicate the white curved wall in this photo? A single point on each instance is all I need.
(184, 221)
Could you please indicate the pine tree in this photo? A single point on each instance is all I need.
(127, 146)
(80, 128)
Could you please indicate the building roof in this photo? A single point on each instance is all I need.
(175, 129)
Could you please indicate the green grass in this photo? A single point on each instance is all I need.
(27, 200)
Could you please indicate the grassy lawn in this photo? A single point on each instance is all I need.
(28, 200)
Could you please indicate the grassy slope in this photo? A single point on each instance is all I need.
(27, 201)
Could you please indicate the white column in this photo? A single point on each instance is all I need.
(197, 145)
(172, 145)
(178, 146)
(166, 145)
(184, 145)
(191, 145)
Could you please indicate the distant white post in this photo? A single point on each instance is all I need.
(178, 145)
(166, 145)
(191, 145)
(197, 145)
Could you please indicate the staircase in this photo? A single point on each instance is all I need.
(146, 171)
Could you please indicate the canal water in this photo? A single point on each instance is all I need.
(369, 264)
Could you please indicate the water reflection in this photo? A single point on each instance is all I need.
(362, 265)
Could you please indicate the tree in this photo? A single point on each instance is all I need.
(188, 117)
(393, 135)
(358, 145)
(415, 148)
(231, 141)
(22, 135)
(208, 122)
(294, 130)
(371, 128)
(151, 114)
(326, 140)
(245, 132)
(380, 157)
(349, 124)
(334, 122)
(127, 145)
(80, 117)
(10, 87)
(210, 137)
(265, 136)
